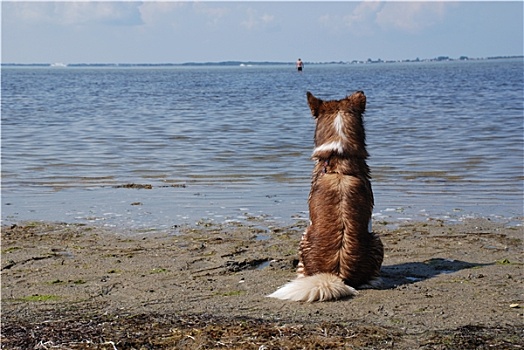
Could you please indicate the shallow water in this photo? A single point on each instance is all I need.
(228, 143)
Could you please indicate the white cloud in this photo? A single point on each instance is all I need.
(369, 17)
(363, 12)
(212, 13)
(157, 13)
(410, 16)
(74, 12)
(113, 13)
(361, 19)
(267, 18)
(255, 20)
(27, 12)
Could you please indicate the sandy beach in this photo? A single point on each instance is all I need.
(66, 286)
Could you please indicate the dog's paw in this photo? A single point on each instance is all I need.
(374, 283)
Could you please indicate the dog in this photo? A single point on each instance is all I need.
(338, 250)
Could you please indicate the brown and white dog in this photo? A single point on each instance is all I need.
(338, 250)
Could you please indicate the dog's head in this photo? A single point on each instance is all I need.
(339, 126)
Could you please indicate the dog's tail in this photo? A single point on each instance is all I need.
(320, 287)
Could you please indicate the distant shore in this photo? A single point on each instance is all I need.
(255, 63)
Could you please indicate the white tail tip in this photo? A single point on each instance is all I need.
(320, 287)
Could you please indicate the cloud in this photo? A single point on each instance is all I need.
(255, 20)
(212, 13)
(360, 20)
(363, 12)
(111, 13)
(410, 16)
(369, 17)
(28, 12)
(157, 13)
(75, 13)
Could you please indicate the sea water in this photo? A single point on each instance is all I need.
(232, 143)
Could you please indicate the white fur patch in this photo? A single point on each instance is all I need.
(334, 146)
(339, 125)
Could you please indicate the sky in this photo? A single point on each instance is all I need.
(213, 31)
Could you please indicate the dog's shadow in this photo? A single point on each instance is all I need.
(407, 273)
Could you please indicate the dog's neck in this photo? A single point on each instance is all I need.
(343, 165)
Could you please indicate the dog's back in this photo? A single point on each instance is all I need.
(337, 250)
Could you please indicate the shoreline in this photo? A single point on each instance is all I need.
(134, 210)
(87, 287)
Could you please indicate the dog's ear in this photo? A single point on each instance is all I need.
(358, 101)
(314, 104)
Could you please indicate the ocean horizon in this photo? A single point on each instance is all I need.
(250, 62)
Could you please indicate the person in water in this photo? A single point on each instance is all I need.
(300, 65)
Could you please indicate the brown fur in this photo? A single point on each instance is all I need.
(341, 200)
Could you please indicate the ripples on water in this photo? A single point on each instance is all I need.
(446, 139)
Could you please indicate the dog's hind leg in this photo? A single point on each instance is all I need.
(376, 257)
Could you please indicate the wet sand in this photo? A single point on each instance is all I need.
(69, 286)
